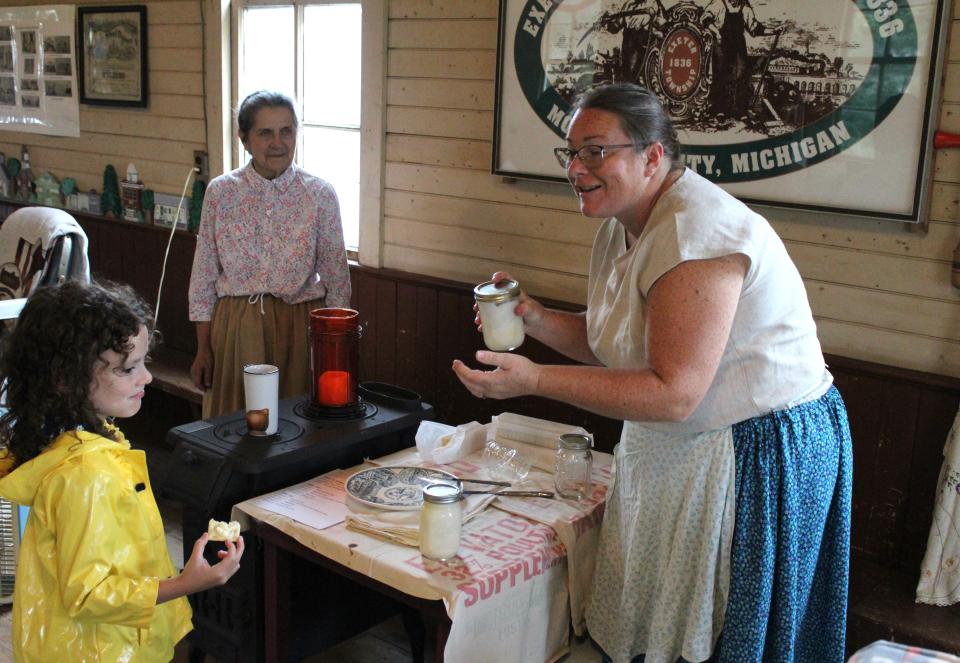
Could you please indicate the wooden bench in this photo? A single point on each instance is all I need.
(171, 374)
(899, 421)
(883, 607)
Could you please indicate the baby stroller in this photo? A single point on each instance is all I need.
(38, 246)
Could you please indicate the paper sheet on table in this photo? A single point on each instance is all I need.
(317, 503)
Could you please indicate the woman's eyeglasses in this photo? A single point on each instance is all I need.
(590, 156)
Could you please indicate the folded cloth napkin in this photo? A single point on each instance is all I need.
(530, 430)
(401, 526)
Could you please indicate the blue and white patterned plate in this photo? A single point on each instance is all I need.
(397, 488)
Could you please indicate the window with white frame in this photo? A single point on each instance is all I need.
(312, 51)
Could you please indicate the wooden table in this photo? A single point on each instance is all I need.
(279, 548)
(511, 591)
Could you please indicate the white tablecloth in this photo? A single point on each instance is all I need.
(511, 591)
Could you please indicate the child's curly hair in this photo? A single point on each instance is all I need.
(48, 361)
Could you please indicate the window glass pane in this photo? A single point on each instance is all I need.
(334, 155)
(268, 51)
(331, 63)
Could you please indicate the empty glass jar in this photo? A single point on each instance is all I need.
(574, 464)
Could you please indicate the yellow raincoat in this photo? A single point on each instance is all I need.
(92, 557)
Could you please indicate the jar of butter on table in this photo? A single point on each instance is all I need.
(441, 518)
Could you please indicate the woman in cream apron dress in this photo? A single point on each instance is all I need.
(726, 533)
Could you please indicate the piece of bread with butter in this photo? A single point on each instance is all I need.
(221, 531)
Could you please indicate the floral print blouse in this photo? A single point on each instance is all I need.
(280, 236)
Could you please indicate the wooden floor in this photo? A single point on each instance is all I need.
(384, 643)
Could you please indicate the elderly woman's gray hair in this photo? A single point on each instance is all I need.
(262, 99)
(640, 113)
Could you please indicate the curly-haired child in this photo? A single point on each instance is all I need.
(94, 580)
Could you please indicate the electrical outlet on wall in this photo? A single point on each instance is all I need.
(200, 161)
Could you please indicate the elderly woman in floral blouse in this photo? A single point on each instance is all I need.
(270, 250)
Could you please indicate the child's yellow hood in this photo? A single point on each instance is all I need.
(20, 484)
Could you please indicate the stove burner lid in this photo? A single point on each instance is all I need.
(236, 430)
(392, 395)
(361, 410)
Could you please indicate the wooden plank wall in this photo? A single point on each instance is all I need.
(879, 292)
(159, 139)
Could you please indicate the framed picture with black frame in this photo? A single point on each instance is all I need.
(113, 55)
(804, 104)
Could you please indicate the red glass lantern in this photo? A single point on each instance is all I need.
(334, 358)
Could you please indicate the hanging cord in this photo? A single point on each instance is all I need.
(166, 254)
(255, 298)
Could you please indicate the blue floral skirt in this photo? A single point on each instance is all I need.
(791, 541)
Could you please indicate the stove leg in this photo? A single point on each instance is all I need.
(416, 633)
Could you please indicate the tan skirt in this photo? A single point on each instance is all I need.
(265, 331)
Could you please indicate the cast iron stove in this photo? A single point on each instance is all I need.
(218, 464)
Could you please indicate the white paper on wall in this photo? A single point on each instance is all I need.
(38, 70)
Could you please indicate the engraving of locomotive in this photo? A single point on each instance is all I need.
(698, 61)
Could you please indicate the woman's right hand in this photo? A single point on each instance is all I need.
(201, 370)
(527, 308)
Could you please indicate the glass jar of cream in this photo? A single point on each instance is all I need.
(440, 521)
(502, 327)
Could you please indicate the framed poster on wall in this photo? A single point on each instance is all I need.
(824, 105)
(113, 55)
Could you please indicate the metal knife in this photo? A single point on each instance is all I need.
(511, 493)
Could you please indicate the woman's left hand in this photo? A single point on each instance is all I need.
(514, 375)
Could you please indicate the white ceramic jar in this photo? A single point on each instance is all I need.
(502, 328)
(441, 519)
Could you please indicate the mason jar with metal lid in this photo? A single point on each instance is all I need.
(574, 463)
(502, 327)
(441, 519)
